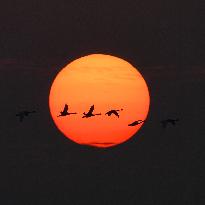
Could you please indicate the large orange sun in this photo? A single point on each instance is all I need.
(110, 84)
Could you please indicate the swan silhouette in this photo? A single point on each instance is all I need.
(23, 114)
(113, 112)
(137, 122)
(65, 112)
(168, 121)
(90, 113)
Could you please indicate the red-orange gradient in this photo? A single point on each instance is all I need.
(108, 83)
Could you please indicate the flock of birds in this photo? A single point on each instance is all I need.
(90, 113)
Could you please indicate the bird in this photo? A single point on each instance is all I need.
(23, 114)
(65, 112)
(114, 112)
(168, 121)
(90, 113)
(137, 122)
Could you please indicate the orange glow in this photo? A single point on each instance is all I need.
(108, 83)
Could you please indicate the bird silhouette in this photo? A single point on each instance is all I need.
(90, 113)
(65, 112)
(137, 122)
(114, 112)
(168, 121)
(23, 114)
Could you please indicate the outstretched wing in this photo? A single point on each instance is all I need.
(133, 123)
(91, 110)
(108, 113)
(136, 122)
(115, 113)
(65, 108)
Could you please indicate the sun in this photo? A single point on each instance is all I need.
(99, 100)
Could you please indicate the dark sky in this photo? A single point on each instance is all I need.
(156, 167)
(149, 32)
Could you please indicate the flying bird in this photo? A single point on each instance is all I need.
(65, 112)
(90, 112)
(114, 112)
(23, 114)
(168, 121)
(137, 122)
